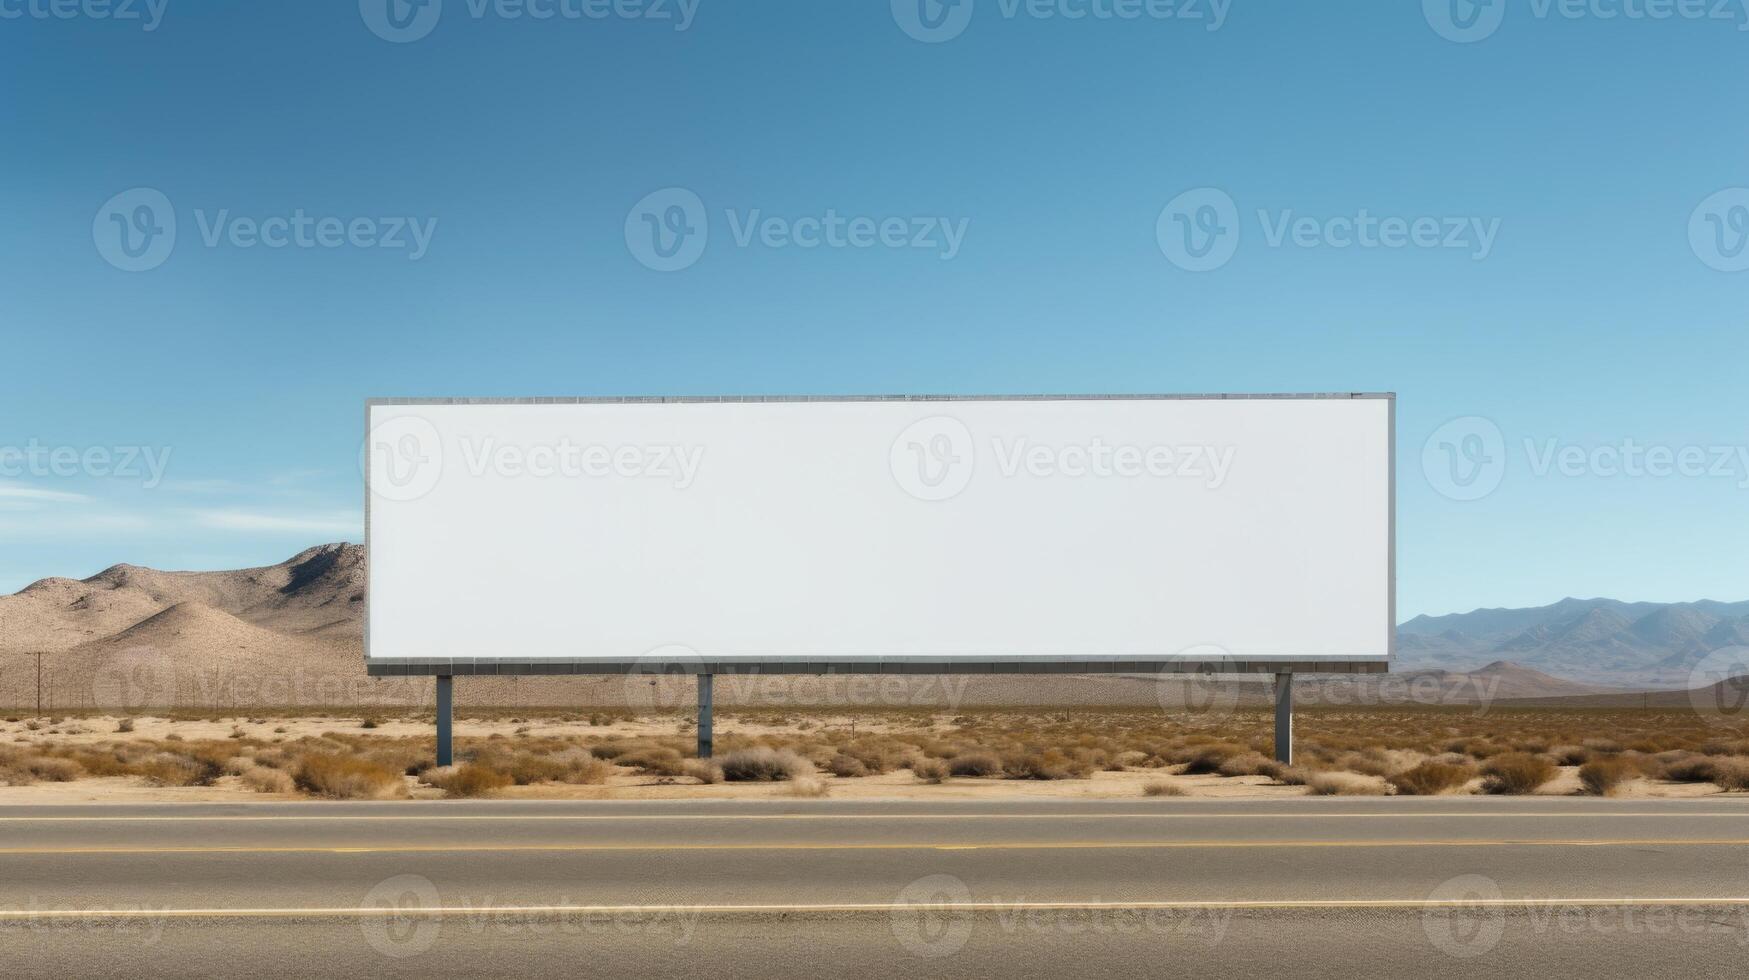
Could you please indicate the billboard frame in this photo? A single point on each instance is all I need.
(903, 665)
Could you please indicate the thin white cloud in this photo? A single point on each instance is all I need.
(323, 522)
(14, 491)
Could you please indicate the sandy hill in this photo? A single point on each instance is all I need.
(317, 592)
(136, 636)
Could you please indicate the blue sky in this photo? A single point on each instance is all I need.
(1574, 285)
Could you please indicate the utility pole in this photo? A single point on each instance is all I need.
(39, 684)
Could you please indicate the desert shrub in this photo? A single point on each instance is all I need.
(275, 759)
(1600, 777)
(23, 770)
(572, 765)
(1365, 765)
(875, 757)
(1687, 767)
(1475, 748)
(236, 765)
(1570, 755)
(1090, 759)
(125, 725)
(805, 786)
(1049, 764)
(176, 769)
(264, 780)
(1246, 764)
(1430, 778)
(657, 761)
(1731, 774)
(371, 723)
(846, 767)
(1289, 775)
(1165, 787)
(1346, 784)
(467, 779)
(104, 760)
(1206, 759)
(931, 770)
(703, 770)
(763, 765)
(1516, 773)
(1602, 746)
(345, 777)
(975, 764)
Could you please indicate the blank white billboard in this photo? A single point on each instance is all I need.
(955, 532)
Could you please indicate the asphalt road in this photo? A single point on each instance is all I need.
(1303, 887)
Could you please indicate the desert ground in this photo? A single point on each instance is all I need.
(1082, 753)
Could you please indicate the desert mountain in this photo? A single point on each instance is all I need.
(317, 596)
(1596, 641)
(133, 636)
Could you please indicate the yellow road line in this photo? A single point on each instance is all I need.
(17, 915)
(641, 817)
(470, 848)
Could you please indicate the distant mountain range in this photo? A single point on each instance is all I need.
(1595, 641)
(300, 623)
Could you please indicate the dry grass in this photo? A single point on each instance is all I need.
(343, 777)
(466, 780)
(1516, 773)
(1731, 774)
(1431, 778)
(264, 780)
(931, 770)
(1347, 784)
(1409, 750)
(1165, 787)
(1602, 777)
(975, 764)
(763, 765)
(703, 770)
(23, 769)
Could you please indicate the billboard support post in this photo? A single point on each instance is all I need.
(1284, 718)
(445, 701)
(705, 685)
